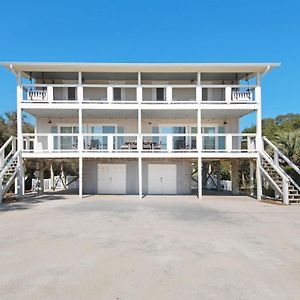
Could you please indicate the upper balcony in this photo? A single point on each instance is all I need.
(140, 88)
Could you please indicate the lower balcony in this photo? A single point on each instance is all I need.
(226, 143)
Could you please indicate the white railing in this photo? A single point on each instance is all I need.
(242, 96)
(284, 190)
(147, 142)
(132, 93)
(7, 150)
(229, 142)
(37, 95)
(169, 142)
(40, 143)
(279, 158)
(116, 142)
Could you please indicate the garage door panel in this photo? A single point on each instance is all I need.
(112, 179)
(162, 179)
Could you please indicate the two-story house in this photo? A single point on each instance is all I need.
(141, 128)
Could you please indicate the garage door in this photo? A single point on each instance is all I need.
(162, 179)
(111, 179)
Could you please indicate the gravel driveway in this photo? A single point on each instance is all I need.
(59, 247)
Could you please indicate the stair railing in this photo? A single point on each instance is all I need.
(284, 192)
(4, 156)
(16, 156)
(277, 155)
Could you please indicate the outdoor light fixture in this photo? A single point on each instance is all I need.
(225, 122)
(49, 122)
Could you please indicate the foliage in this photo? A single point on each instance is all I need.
(8, 126)
(284, 132)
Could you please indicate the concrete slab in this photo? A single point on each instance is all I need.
(60, 247)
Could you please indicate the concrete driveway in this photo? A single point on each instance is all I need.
(59, 247)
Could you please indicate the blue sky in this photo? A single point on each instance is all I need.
(157, 31)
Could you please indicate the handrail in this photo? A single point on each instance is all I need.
(274, 166)
(7, 143)
(271, 180)
(286, 159)
(7, 166)
(3, 157)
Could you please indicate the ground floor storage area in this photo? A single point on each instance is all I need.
(121, 176)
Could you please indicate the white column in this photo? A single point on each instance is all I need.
(80, 176)
(110, 93)
(251, 178)
(80, 88)
(50, 93)
(139, 89)
(21, 177)
(169, 94)
(80, 136)
(199, 136)
(198, 89)
(140, 171)
(199, 177)
(19, 112)
(228, 141)
(258, 179)
(258, 113)
(228, 94)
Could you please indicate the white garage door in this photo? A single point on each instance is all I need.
(162, 179)
(111, 179)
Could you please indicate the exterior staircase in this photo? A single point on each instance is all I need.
(10, 165)
(272, 169)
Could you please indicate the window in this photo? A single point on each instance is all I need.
(117, 94)
(160, 94)
(71, 93)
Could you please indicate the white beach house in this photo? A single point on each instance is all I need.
(142, 128)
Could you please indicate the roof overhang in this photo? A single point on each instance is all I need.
(138, 67)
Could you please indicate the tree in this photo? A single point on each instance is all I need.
(8, 126)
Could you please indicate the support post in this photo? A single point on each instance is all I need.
(52, 177)
(41, 177)
(198, 89)
(218, 176)
(139, 89)
(258, 179)
(199, 138)
(19, 112)
(140, 171)
(80, 177)
(235, 177)
(199, 177)
(259, 143)
(21, 177)
(285, 191)
(251, 179)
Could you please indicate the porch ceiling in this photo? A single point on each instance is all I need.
(109, 113)
(52, 113)
(225, 113)
(172, 113)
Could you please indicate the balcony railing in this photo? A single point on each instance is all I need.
(155, 143)
(147, 94)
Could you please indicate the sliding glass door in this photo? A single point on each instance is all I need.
(69, 142)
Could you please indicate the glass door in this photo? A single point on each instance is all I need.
(209, 142)
(179, 142)
(69, 142)
(100, 139)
